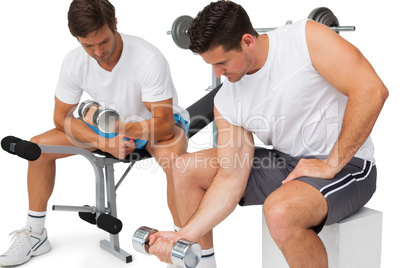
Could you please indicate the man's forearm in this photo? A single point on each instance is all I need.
(83, 136)
(152, 129)
(80, 134)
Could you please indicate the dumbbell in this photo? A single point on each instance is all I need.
(106, 120)
(184, 254)
(24, 149)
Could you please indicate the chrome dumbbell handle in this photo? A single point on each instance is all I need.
(85, 106)
(140, 239)
(184, 254)
(106, 120)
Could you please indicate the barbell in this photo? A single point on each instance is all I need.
(322, 14)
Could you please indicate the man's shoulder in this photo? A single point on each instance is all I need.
(75, 55)
(138, 42)
(225, 95)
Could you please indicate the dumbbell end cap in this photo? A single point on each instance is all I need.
(141, 238)
(186, 254)
(106, 120)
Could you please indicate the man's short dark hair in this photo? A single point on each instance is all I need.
(221, 23)
(85, 16)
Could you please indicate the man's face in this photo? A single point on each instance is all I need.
(99, 44)
(232, 64)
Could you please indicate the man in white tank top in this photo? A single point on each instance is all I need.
(121, 72)
(309, 94)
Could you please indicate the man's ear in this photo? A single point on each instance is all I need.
(248, 41)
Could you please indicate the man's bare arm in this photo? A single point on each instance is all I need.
(159, 127)
(345, 68)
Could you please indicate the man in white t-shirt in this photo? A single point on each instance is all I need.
(118, 71)
(309, 94)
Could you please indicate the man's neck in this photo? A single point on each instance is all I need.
(109, 65)
(262, 49)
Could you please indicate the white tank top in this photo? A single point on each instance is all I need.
(287, 103)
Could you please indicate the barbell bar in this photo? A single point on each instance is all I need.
(322, 14)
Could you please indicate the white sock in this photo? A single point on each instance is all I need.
(207, 259)
(176, 229)
(36, 220)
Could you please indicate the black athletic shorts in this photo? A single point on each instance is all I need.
(346, 193)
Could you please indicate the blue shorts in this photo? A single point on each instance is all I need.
(140, 144)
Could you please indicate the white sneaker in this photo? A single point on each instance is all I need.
(172, 266)
(25, 245)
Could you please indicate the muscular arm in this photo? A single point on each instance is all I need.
(235, 153)
(78, 132)
(159, 127)
(345, 68)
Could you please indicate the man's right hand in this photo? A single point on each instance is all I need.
(118, 146)
(162, 244)
(90, 115)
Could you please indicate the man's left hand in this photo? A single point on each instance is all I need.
(312, 168)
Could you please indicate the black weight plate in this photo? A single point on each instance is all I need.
(316, 13)
(330, 20)
(325, 16)
(179, 31)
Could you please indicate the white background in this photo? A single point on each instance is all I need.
(34, 41)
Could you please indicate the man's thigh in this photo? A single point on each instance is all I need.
(199, 168)
(58, 138)
(269, 169)
(347, 192)
(168, 150)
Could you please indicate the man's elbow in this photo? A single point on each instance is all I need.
(384, 93)
(168, 133)
(379, 96)
(60, 124)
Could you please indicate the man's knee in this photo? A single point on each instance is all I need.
(166, 158)
(51, 137)
(39, 139)
(181, 170)
(166, 153)
(281, 220)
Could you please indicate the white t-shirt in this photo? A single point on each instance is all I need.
(287, 103)
(141, 75)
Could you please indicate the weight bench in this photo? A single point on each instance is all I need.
(104, 214)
